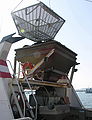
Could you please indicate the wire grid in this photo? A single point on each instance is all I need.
(37, 22)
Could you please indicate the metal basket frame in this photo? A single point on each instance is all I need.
(37, 22)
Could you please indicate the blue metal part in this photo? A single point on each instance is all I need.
(11, 39)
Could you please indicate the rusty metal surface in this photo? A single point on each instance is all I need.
(62, 59)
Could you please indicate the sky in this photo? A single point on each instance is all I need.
(76, 33)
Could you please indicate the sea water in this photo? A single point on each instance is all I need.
(86, 99)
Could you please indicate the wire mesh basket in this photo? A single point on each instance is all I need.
(37, 22)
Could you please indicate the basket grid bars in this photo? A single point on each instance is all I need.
(37, 22)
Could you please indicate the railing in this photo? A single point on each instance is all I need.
(26, 79)
(19, 91)
(16, 101)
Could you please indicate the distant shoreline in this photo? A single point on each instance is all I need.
(81, 90)
(87, 90)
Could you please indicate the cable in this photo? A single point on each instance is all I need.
(20, 3)
(17, 5)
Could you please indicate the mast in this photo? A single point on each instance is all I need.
(5, 77)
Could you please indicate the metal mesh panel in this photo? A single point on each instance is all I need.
(37, 22)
